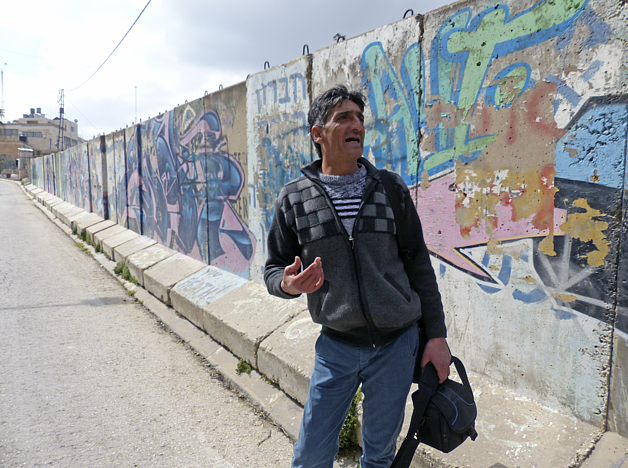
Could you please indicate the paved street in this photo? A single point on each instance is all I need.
(88, 377)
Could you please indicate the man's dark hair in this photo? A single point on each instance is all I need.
(323, 104)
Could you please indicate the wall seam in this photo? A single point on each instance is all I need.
(613, 321)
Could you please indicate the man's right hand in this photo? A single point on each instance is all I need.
(297, 282)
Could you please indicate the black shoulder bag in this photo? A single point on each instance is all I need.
(444, 414)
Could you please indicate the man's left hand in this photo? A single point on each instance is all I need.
(437, 352)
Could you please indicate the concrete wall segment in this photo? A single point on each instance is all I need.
(230, 243)
(278, 142)
(385, 64)
(506, 91)
(132, 215)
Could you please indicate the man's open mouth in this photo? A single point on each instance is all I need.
(353, 139)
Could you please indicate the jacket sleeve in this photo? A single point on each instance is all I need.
(421, 274)
(283, 246)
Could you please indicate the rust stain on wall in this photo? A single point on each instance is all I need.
(582, 226)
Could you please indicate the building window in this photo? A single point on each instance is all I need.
(33, 134)
(10, 131)
(32, 122)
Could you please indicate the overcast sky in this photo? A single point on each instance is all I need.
(177, 50)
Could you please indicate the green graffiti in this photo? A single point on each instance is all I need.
(503, 95)
(493, 30)
(461, 147)
(394, 103)
(445, 68)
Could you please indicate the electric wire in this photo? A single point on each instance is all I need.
(83, 115)
(26, 55)
(74, 89)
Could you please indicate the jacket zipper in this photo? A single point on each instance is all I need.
(351, 239)
(371, 326)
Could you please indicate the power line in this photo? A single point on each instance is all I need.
(26, 55)
(113, 49)
(77, 109)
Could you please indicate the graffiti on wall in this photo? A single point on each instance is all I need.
(283, 149)
(116, 177)
(486, 100)
(183, 186)
(96, 174)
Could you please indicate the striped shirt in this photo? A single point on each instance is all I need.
(346, 193)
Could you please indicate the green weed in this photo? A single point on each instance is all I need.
(122, 270)
(348, 435)
(243, 367)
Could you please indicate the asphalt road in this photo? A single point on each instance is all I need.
(89, 378)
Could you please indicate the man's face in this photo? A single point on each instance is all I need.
(342, 137)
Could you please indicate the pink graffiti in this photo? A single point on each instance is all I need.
(436, 208)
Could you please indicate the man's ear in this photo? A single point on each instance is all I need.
(317, 134)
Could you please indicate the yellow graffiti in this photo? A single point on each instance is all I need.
(582, 226)
(566, 297)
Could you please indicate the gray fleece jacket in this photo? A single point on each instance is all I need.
(367, 297)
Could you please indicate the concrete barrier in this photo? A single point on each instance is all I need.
(123, 251)
(163, 275)
(146, 258)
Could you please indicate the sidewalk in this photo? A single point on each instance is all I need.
(227, 319)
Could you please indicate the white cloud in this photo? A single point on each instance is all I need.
(176, 51)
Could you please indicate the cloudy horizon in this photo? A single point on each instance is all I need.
(175, 52)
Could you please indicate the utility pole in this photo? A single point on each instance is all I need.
(2, 85)
(60, 140)
(136, 105)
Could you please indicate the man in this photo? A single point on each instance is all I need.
(333, 238)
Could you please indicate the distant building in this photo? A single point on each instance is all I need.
(42, 134)
(14, 155)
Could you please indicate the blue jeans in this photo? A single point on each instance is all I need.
(385, 373)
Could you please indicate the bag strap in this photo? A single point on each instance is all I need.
(462, 372)
(420, 399)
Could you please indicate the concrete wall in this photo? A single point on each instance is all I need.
(508, 121)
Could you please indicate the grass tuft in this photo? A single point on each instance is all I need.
(349, 433)
(243, 367)
(122, 270)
